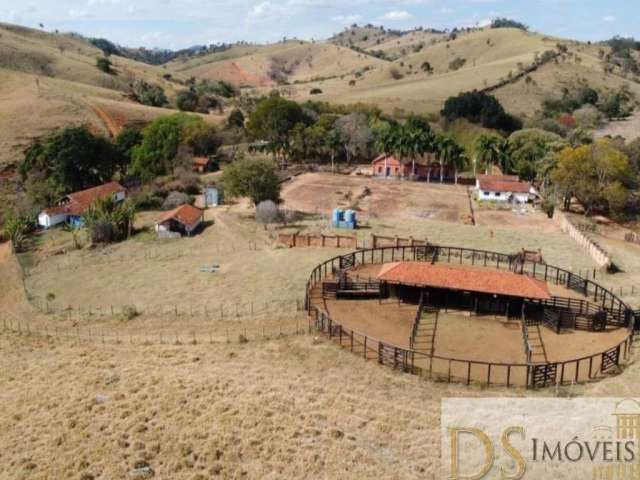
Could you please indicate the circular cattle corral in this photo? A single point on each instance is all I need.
(470, 316)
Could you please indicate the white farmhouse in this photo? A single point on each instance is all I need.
(503, 188)
(70, 208)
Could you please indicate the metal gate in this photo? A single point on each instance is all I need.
(610, 359)
(347, 261)
(543, 375)
(577, 283)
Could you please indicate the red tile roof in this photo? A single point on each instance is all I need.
(503, 183)
(185, 214)
(465, 279)
(77, 202)
(201, 161)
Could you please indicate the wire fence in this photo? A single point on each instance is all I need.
(206, 312)
(297, 325)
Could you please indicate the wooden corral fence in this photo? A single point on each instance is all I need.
(529, 374)
(292, 240)
(597, 253)
(632, 238)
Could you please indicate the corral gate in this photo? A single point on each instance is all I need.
(543, 375)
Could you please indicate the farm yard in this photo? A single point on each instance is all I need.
(320, 193)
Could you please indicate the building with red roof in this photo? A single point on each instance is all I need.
(503, 188)
(185, 219)
(70, 208)
(426, 167)
(464, 279)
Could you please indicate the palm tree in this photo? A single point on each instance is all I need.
(447, 148)
(491, 150)
(417, 139)
(458, 160)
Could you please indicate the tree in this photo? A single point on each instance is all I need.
(236, 119)
(70, 160)
(596, 175)
(125, 142)
(161, 139)
(267, 212)
(478, 107)
(356, 135)
(257, 180)
(108, 221)
(491, 150)
(529, 149)
(104, 65)
(187, 100)
(16, 228)
(447, 149)
(273, 121)
(416, 139)
(149, 94)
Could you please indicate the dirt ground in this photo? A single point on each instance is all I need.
(322, 192)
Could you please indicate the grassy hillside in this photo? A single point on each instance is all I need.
(285, 62)
(484, 58)
(49, 81)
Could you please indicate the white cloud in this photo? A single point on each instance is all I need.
(396, 15)
(446, 10)
(92, 3)
(266, 10)
(346, 19)
(78, 13)
(609, 18)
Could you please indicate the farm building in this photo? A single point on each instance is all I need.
(204, 164)
(185, 220)
(71, 207)
(426, 168)
(503, 188)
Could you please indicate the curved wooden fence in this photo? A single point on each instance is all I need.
(530, 375)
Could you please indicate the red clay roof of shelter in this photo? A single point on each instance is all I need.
(185, 214)
(201, 161)
(465, 279)
(506, 183)
(77, 202)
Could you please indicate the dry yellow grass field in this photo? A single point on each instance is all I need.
(51, 81)
(298, 61)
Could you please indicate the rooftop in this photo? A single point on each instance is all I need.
(466, 279)
(185, 214)
(77, 202)
(503, 183)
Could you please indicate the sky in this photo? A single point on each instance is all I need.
(181, 23)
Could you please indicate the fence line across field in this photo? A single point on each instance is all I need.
(101, 336)
(206, 311)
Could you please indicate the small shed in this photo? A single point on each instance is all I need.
(185, 220)
(212, 196)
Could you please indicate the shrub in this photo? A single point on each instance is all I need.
(104, 65)
(395, 73)
(315, 91)
(508, 23)
(129, 312)
(267, 212)
(108, 221)
(457, 64)
(175, 199)
(148, 94)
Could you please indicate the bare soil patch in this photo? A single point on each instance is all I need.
(414, 201)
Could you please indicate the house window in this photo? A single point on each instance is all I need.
(486, 194)
(379, 169)
(498, 194)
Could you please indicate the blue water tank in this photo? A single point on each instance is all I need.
(337, 216)
(350, 216)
